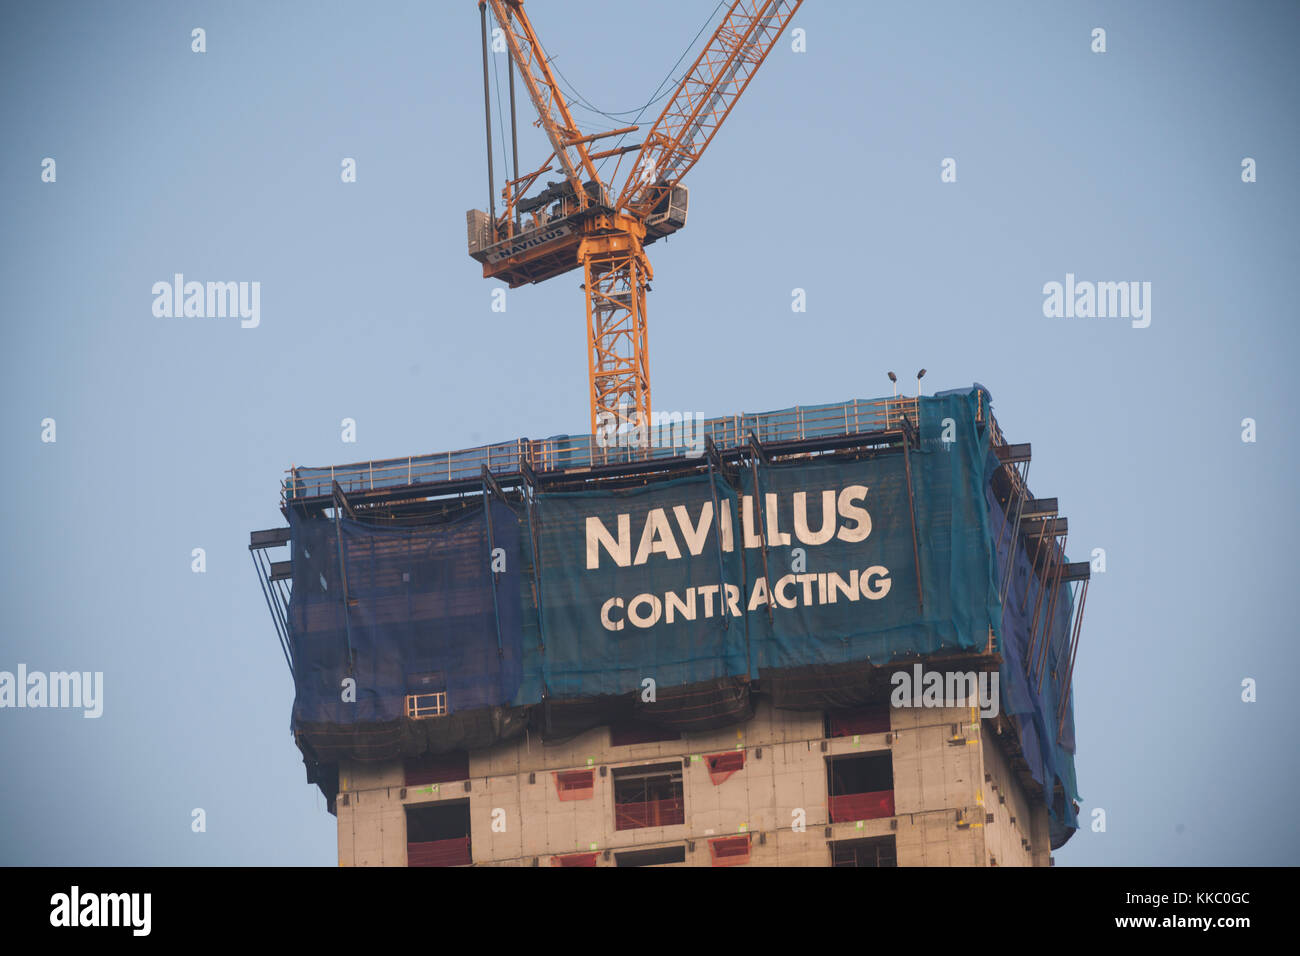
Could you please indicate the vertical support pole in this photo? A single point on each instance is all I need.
(342, 507)
(1030, 651)
(1051, 613)
(263, 579)
(487, 123)
(1037, 650)
(1038, 551)
(1015, 533)
(755, 453)
(530, 481)
(717, 527)
(1067, 684)
(343, 578)
(514, 134)
(285, 596)
(490, 487)
(911, 509)
(1007, 511)
(715, 468)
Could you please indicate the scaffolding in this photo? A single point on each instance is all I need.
(1026, 537)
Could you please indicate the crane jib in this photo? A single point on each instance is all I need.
(595, 225)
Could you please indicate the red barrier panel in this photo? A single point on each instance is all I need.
(863, 720)
(721, 766)
(575, 784)
(730, 851)
(575, 859)
(453, 852)
(862, 806)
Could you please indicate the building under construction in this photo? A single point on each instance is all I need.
(763, 639)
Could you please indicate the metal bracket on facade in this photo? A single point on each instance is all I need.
(271, 576)
(1075, 572)
(341, 500)
(910, 436)
(1051, 579)
(490, 484)
(1012, 458)
(529, 476)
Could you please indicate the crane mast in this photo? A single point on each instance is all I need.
(573, 223)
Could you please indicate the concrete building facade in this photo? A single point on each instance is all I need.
(879, 786)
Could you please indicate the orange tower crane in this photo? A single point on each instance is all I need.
(579, 221)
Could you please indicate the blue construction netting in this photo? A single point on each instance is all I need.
(1047, 746)
(574, 596)
(605, 610)
(422, 614)
(656, 594)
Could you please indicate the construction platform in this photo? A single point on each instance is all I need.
(462, 601)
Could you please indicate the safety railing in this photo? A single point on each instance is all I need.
(668, 435)
(650, 813)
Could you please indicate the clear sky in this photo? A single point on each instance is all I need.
(172, 434)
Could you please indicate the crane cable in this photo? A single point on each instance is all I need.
(655, 97)
(582, 102)
(501, 121)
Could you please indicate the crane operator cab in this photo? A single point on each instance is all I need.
(544, 242)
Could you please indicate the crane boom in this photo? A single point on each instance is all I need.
(574, 224)
(703, 100)
(552, 110)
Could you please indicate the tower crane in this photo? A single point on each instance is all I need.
(583, 222)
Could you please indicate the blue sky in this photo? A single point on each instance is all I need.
(173, 434)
